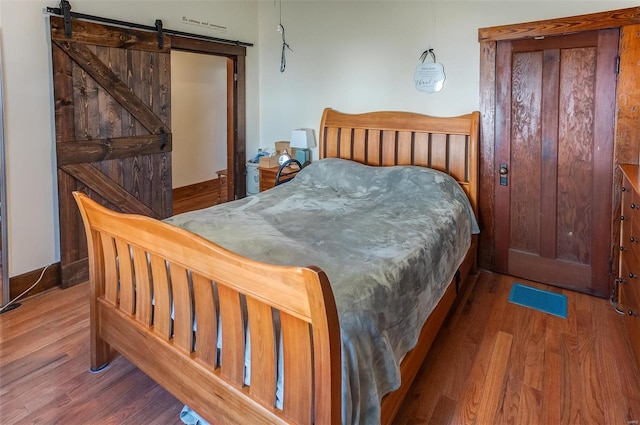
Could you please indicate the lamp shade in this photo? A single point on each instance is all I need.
(302, 138)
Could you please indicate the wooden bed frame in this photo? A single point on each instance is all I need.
(142, 269)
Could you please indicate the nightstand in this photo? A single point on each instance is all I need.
(221, 174)
(268, 177)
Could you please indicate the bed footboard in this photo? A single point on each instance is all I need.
(162, 290)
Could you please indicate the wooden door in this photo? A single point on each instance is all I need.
(112, 119)
(554, 159)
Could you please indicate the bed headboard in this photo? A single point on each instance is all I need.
(406, 138)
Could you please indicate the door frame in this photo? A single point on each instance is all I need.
(588, 274)
(236, 105)
(5, 295)
(626, 143)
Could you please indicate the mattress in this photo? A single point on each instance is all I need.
(390, 239)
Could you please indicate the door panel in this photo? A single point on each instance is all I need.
(526, 151)
(113, 136)
(575, 154)
(554, 131)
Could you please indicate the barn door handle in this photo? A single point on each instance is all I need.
(504, 170)
(163, 138)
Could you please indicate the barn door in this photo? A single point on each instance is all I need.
(554, 159)
(113, 135)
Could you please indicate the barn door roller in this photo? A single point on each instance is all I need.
(65, 6)
(159, 29)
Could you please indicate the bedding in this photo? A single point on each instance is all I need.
(390, 239)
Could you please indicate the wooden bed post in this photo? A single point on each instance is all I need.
(99, 349)
(328, 366)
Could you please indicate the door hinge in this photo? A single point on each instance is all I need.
(235, 77)
(611, 263)
(617, 64)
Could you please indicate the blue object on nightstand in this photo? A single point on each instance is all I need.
(302, 155)
(538, 299)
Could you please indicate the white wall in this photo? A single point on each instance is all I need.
(30, 138)
(198, 116)
(358, 56)
(351, 55)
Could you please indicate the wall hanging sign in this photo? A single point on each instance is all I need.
(429, 76)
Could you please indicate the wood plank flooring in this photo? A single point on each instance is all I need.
(44, 375)
(493, 362)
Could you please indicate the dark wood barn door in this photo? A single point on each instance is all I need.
(554, 159)
(113, 136)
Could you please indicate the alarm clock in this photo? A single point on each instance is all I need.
(284, 157)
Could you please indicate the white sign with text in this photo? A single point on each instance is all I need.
(429, 77)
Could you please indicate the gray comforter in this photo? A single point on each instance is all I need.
(389, 239)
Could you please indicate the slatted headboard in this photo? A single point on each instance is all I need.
(405, 138)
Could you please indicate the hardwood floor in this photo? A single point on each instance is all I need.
(44, 374)
(496, 362)
(493, 362)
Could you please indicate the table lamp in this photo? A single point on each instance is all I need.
(302, 139)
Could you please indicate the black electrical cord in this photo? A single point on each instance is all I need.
(283, 58)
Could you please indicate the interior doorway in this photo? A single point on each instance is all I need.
(554, 156)
(235, 59)
(199, 124)
(625, 146)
